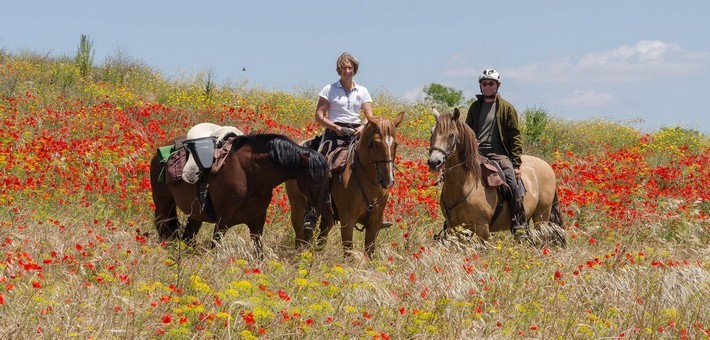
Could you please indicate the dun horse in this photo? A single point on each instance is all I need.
(466, 201)
(359, 194)
(242, 190)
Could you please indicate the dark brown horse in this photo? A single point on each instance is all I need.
(359, 195)
(241, 192)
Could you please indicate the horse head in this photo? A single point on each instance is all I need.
(380, 134)
(451, 139)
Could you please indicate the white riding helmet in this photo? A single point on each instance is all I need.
(491, 74)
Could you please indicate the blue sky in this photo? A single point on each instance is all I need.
(643, 63)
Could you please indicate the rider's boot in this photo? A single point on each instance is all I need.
(518, 223)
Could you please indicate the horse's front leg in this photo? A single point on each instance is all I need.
(483, 231)
(298, 202)
(191, 229)
(326, 223)
(371, 232)
(346, 234)
(166, 221)
(219, 230)
(256, 229)
(373, 225)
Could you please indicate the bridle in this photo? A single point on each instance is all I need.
(446, 153)
(449, 207)
(375, 163)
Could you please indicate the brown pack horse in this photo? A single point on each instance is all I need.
(465, 200)
(360, 194)
(241, 192)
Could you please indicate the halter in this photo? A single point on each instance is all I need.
(446, 153)
(375, 163)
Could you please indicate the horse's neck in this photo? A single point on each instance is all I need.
(457, 177)
(264, 171)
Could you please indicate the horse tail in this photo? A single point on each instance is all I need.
(319, 171)
(165, 219)
(286, 154)
(556, 214)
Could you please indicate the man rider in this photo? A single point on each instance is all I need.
(495, 122)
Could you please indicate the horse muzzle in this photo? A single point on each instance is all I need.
(435, 164)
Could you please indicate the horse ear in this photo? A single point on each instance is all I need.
(369, 117)
(457, 113)
(435, 112)
(399, 118)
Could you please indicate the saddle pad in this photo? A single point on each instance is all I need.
(173, 168)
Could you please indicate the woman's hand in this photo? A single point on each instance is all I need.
(358, 130)
(345, 131)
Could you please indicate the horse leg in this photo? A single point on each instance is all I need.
(346, 234)
(166, 221)
(193, 226)
(256, 229)
(298, 212)
(370, 236)
(165, 218)
(326, 223)
(219, 230)
(483, 231)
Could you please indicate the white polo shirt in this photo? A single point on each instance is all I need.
(345, 108)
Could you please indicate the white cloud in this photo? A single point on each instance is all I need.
(414, 94)
(644, 60)
(586, 98)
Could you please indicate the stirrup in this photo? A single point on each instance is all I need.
(387, 224)
(310, 220)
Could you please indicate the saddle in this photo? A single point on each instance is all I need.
(492, 173)
(493, 177)
(202, 152)
(338, 156)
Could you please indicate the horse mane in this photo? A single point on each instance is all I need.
(286, 155)
(386, 126)
(468, 144)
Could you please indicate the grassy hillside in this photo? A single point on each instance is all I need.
(80, 256)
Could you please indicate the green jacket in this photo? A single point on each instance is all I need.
(508, 127)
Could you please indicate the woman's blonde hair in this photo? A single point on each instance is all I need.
(344, 58)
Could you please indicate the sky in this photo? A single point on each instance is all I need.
(643, 63)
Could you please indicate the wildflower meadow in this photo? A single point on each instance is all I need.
(80, 257)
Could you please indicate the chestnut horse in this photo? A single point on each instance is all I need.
(469, 203)
(241, 191)
(359, 194)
